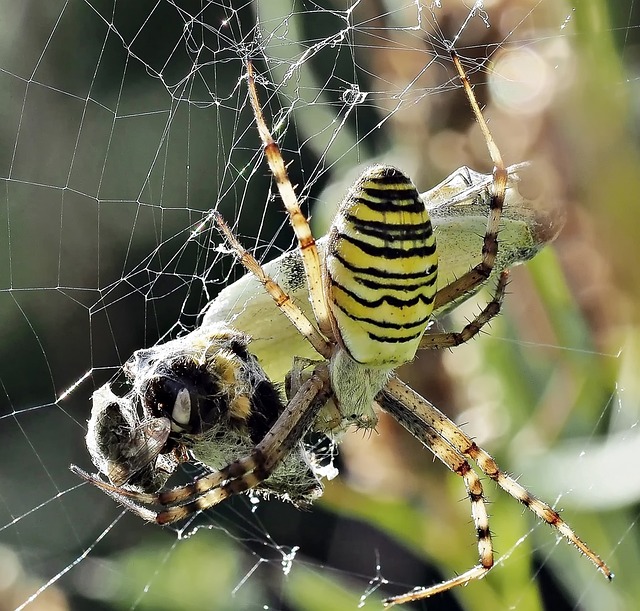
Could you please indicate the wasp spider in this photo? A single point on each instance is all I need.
(372, 298)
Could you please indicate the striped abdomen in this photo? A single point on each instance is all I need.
(382, 267)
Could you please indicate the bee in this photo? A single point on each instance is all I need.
(201, 397)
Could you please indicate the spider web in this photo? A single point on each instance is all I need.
(125, 124)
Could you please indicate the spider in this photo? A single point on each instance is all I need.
(372, 297)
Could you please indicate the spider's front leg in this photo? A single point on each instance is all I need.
(405, 408)
(466, 283)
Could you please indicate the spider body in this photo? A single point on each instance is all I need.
(380, 274)
(381, 269)
(371, 298)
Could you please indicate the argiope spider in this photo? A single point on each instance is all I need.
(372, 298)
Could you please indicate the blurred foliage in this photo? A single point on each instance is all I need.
(551, 390)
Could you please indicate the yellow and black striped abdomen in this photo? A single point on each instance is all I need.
(381, 268)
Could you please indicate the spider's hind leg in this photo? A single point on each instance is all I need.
(396, 404)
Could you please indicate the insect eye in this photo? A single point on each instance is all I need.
(160, 395)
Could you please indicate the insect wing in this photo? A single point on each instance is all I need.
(121, 444)
(147, 441)
(459, 207)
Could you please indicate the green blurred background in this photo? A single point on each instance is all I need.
(123, 123)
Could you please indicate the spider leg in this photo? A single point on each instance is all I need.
(478, 274)
(450, 340)
(454, 460)
(282, 300)
(415, 408)
(306, 241)
(121, 495)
